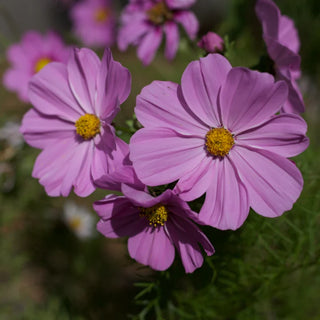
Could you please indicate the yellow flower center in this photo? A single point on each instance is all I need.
(75, 223)
(157, 215)
(219, 141)
(88, 126)
(41, 63)
(101, 14)
(159, 13)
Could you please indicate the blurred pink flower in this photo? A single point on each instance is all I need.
(74, 106)
(211, 42)
(30, 56)
(144, 22)
(155, 226)
(218, 134)
(94, 22)
(282, 40)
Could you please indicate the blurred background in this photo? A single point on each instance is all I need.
(54, 264)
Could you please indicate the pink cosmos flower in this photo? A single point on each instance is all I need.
(211, 42)
(74, 105)
(144, 22)
(155, 226)
(94, 22)
(218, 134)
(30, 56)
(282, 40)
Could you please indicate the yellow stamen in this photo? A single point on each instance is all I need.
(157, 215)
(88, 126)
(41, 63)
(101, 14)
(219, 141)
(75, 223)
(159, 13)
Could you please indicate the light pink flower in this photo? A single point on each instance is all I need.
(143, 24)
(74, 105)
(155, 227)
(282, 40)
(30, 56)
(211, 42)
(218, 134)
(94, 22)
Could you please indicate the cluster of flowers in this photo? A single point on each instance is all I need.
(224, 132)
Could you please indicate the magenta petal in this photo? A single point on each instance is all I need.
(189, 22)
(160, 105)
(172, 39)
(152, 247)
(40, 131)
(283, 134)
(83, 67)
(149, 45)
(17, 80)
(200, 85)
(288, 34)
(113, 87)
(226, 204)
(195, 183)
(273, 182)
(179, 4)
(186, 236)
(161, 155)
(138, 197)
(50, 93)
(248, 98)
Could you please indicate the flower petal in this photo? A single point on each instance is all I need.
(149, 45)
(160, 104)
(189, 22)
(50, 94)
(152, 247)
(283, 134)
(83, 67)
(226, 205)
(172, 39)
(179, 4)
(161, 155)
(200, 85)
(273, 182)
(249, 98)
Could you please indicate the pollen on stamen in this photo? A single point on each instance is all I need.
(157, 215)
(41, 63)
(101, 14)
(159, 13)
(88, 126)
(219, 141)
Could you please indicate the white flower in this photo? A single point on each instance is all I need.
(11, 134)
(79, 220)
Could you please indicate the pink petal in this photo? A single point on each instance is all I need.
(161, 155)
(139, 198)
(179, 4)
(226, 204)
(160, 105)
(195, 183)
(200, 85)
(17, 80)
(283, 134)
(50, 93)
(113, 87)
(288, 34)
(273, 182)
(189, 22)
(149, 45)
(249, 98)
(83, 67)
(172, 39)
(152, 247)
(186, 236)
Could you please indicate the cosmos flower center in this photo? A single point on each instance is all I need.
(88, 126)
(157, 215)
(101, 14)
(41, 63)
(219, 141)
(75, 223)
(159, 13)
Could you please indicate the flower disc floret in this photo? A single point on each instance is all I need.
(101, 14)
(41, 63)
(88, 126)
(219, 141)
(157, 215)
(159, 13)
